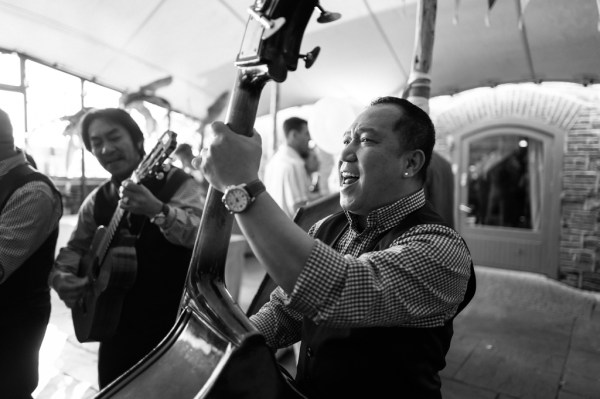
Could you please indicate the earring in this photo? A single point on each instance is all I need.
(405, 174)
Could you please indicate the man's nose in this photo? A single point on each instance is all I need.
(348, 153)
(107, 147)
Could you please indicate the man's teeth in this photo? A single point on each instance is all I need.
(348, 178)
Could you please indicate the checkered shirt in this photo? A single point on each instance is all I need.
(418, 281)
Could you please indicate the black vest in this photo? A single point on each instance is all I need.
(375, 362)
(28, 285)
(153, 300)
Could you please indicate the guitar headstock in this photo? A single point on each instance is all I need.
(274, 33)
(152, 166)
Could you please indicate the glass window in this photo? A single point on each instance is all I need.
(52, 97)
(96, 96)
(10, 69)
(504, 182)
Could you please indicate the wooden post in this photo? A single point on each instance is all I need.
(274, 110)
(418, 87)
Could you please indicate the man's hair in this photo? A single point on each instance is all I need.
(115, 115)
(183, 150)
(6, 131)
(415, 127)
(293, 123)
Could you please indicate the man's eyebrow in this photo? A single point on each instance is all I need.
(361, 130)
(109, 132)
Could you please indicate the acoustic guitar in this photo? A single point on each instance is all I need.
(214, 351)
(111, 262)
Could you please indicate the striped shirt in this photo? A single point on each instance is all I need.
(418, 281)
(31, 213)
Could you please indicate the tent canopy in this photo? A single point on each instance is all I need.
(127, 44)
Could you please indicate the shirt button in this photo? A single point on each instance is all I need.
(309, 352)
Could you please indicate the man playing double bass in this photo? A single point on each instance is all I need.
(371, 292)
(163, 216)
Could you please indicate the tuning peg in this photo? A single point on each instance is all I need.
(327, 16)
(310, 57)
(271, 25)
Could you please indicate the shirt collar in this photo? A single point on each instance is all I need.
(388, 216)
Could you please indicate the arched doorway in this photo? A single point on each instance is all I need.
(509, 194)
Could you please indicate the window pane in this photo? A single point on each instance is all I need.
(503, 184)
(52, 96)
(10, 69)
(96, 96)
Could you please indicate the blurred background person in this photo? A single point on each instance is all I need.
(287, 172)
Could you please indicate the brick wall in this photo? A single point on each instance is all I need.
(575, 111)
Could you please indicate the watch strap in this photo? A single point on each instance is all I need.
(254, 188)
(164, 211)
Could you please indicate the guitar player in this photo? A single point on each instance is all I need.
(162, 216)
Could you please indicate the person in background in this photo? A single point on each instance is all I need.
(30, 212)
(312, 163)
(186, 156)
(370, 292)
(162, 215)
(286, 176)
(439, 187)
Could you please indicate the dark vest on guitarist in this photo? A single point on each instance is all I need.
(153, 300)
(375, 362)
(28, 285)
(24, 301)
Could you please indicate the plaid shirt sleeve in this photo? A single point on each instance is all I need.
(419, 281)
(29, 216)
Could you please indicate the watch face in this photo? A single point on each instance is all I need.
(236, 200)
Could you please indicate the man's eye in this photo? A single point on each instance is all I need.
(346, 141)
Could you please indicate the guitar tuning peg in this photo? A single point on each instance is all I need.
(310, 57)
(327, 16)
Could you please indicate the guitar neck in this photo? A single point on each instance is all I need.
(111, 230)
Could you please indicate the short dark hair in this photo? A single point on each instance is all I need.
(6, 131)
(183, 149)
(115, 115)
(293, 123)
(415, 127)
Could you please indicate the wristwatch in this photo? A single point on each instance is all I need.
(160, 218)
(238, 198)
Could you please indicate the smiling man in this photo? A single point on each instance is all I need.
(163, 217)
(371, 292)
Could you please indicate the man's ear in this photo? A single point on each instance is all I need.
(414, 161)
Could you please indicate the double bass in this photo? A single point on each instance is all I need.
(213, 350)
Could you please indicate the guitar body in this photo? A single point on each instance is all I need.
(96, 316)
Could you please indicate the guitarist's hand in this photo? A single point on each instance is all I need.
(70, 288)
(137, 199)
(231, 158)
